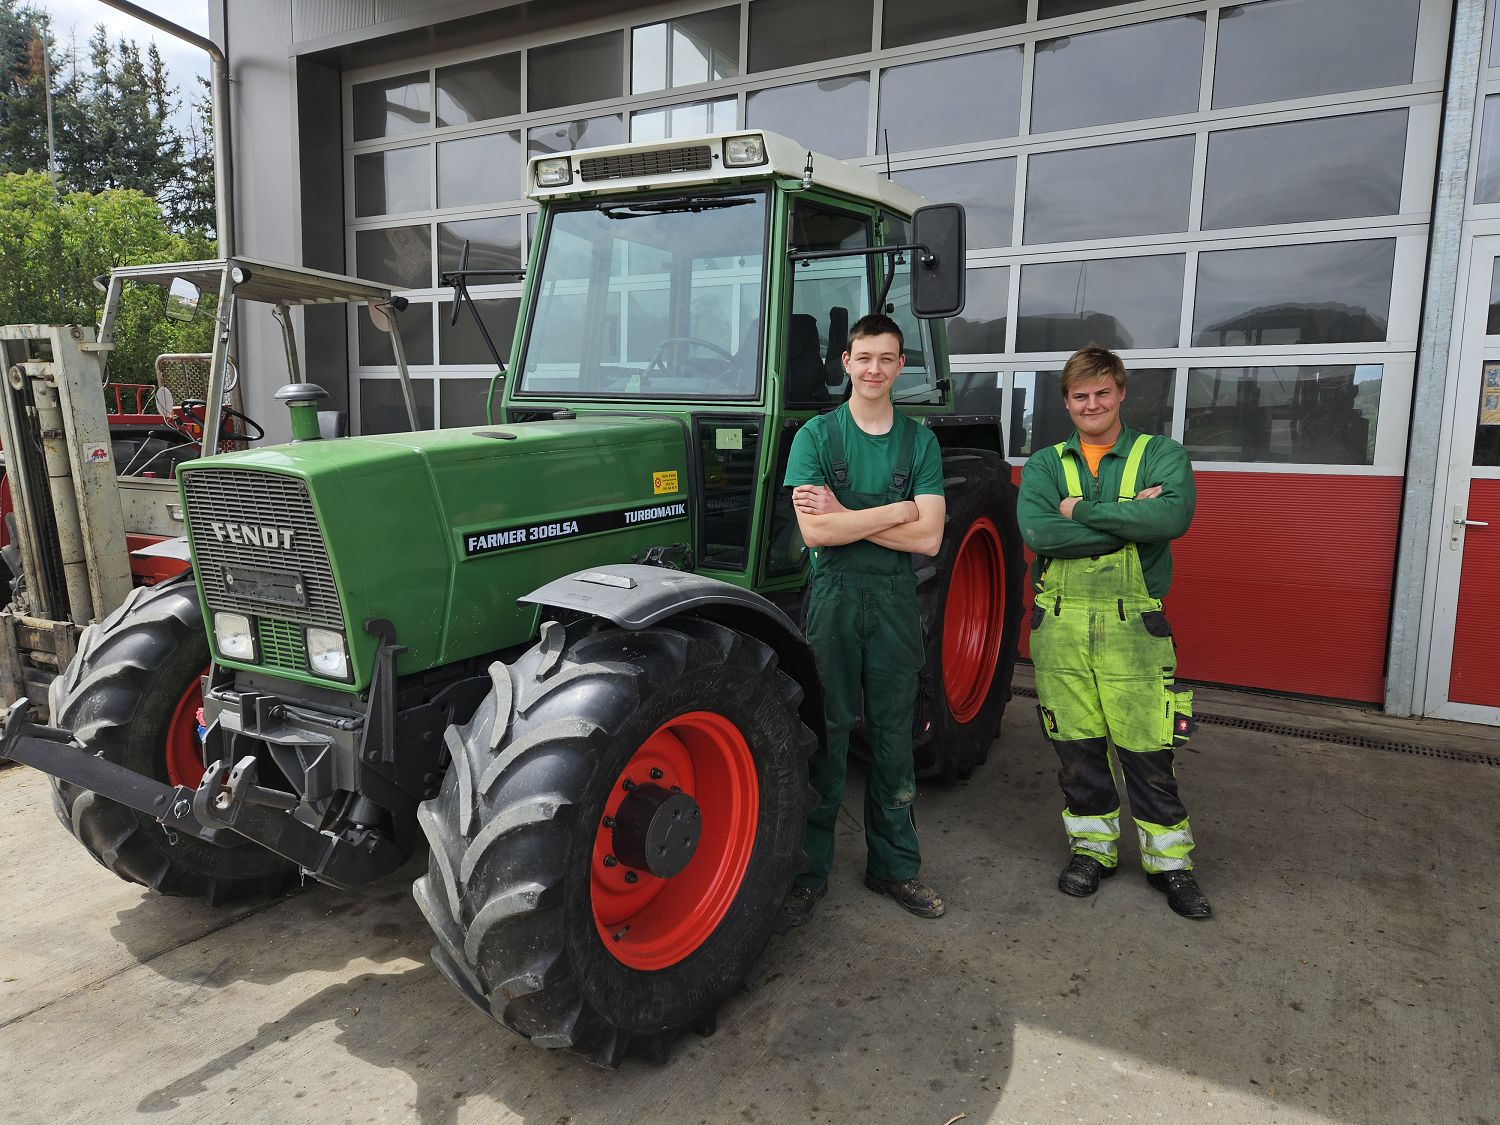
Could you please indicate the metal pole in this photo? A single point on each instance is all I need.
(1406, 674)
(51, 136)
(289, 340)
(406, 389)
(60, 483)
(223, 150)
(213, 409)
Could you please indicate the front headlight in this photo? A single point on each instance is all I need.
(555, 172)
(327, 655)
(742, 152)
(235, 636)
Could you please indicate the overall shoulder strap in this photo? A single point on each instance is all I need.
(1070, 470)
(905, 454)
(1133, 467)
(833, 444)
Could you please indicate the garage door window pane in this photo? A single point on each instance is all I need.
(1038, 417)
(391, 182)
(392, 106)
(462, 401)
(1119, 74)
(698, 48)
(982, 326)
(399, 256)
(916, 21)
(1304, 171)
(479, 90)
(581, 70)
(1109, 192)
(1282, 49)
(463, 342)
(1112, 302)
(494, 244)
(565, 136)
(691, 120)
(1487, 176)
(793, 32)
(986, 188)
(416, 338)
(382, 408)
(949, 101)
(829, 115)
(1327, 293)
(479, 170)
(1055, 9)
(1292, 415)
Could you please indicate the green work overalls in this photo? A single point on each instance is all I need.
(866, 637)
(1105, 667)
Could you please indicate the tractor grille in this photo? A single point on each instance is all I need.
(629, 165)
(282, 645)
(258, 548)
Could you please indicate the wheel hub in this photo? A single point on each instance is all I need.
(657, 830)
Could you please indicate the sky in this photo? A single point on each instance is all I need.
(184, 61)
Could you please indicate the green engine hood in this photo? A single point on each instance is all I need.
(438, 532)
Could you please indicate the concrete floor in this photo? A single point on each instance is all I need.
(1349, 974)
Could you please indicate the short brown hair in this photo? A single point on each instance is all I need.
(876, 324)
(1089, 364)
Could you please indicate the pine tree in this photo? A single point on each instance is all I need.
(25, 56)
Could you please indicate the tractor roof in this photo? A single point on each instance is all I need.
(693, 161)
(273, 283)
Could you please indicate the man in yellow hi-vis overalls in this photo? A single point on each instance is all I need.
(1100, 511)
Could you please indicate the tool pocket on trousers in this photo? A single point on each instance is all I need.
(1178, 723)
(1156, 623)
(1038, 615)
(1048, 720)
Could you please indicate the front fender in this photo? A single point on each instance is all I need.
(632, 596)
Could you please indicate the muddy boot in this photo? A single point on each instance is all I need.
(913, 895)
(1081, 877)
(1183, 893)
(799, 904)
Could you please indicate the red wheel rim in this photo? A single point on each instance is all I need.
(184, 751)
(652, 923)
(973, 621)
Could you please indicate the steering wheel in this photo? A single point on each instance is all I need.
(195, 410)
(658, 358)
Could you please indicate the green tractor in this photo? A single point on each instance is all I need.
(562, 649)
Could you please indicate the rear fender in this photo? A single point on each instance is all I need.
(632, 596)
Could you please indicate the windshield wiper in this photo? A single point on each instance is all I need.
(647, 207)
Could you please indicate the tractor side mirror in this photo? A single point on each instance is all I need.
(937, 274)
(182, 300)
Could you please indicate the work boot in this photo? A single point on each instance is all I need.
(799, 904)
(1183, 893)
(914, 895)
(1081, 877)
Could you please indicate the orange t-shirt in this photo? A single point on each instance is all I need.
(1093, 454)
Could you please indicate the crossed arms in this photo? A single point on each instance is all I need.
(907, 525)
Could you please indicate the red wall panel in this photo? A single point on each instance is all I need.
(1284, 583)
(1477, 628)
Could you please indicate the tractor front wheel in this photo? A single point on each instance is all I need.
(612, 842)
(132, 695)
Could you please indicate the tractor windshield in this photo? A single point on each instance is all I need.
(650, 298)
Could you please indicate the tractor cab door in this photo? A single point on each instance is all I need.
(827, 296)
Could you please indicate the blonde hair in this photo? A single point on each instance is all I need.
(1089, 364)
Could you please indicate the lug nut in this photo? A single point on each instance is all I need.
(656, 774)
(632, 877)
(609, 822)
(629, 785)
(610, 861)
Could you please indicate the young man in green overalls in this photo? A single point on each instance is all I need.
(867, 487)
(1100, 511)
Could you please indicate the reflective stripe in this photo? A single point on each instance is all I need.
(1133, 467)
(1165, 848)
(1105, 851)
(1070, 471)
(1105, 827)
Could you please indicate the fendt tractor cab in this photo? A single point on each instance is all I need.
(563, 647)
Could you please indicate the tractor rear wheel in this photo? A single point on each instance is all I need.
(132, 696)
(970, 605)
(613, 839)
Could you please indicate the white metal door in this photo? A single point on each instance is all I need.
(1464, 673)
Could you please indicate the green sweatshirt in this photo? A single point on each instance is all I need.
(1101, 524)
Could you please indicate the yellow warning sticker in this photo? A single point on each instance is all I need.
(662, 483)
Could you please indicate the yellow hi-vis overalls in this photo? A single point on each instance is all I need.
(1105, 667)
